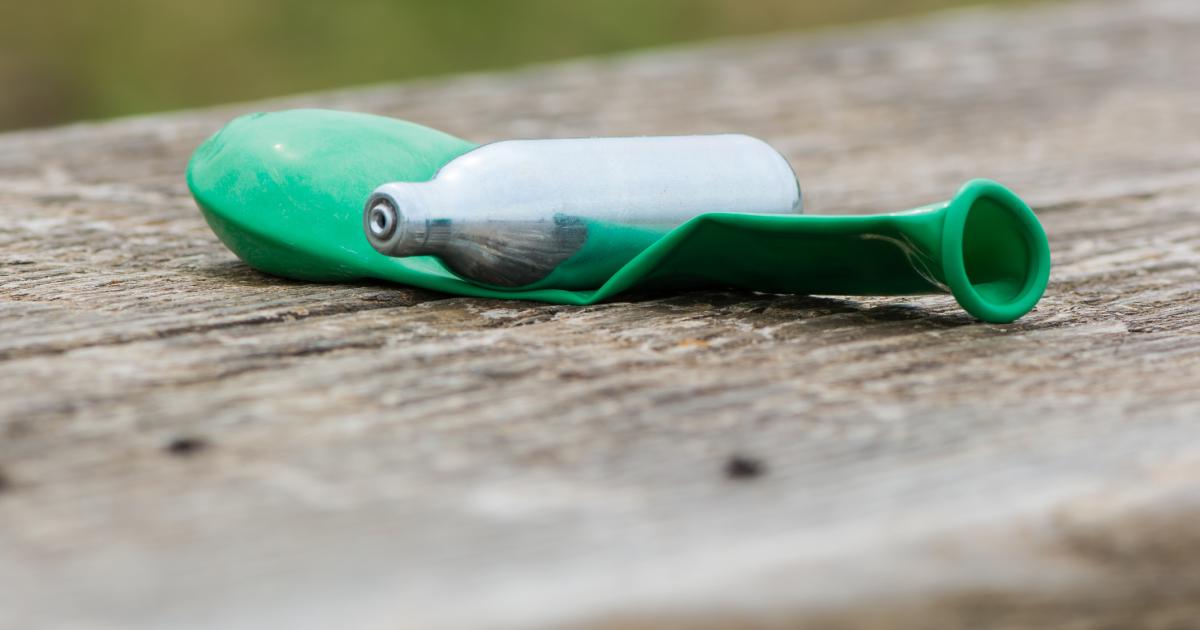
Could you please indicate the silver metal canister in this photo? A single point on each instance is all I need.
(511, 213)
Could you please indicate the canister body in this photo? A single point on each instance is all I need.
(510, 214)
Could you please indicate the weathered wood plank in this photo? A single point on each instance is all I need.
(185, 442)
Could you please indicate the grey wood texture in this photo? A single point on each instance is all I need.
(187, 443)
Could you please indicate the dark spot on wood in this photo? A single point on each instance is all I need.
(575, 375)
(186, 446)
(5, 483)
(16, 429)
(741, 467)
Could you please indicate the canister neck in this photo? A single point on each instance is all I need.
(398, 221)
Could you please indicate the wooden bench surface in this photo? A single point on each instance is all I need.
(187, 443)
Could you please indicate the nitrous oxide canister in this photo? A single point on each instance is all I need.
(513, 213)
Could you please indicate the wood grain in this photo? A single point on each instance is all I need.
(185, 442)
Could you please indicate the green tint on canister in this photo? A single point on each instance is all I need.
(285, 192)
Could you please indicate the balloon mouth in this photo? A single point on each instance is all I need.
(994, 252)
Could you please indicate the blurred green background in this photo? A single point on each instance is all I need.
(63, 60)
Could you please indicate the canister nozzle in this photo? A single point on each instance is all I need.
(381, 219)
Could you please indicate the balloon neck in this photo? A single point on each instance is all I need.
(993, 253)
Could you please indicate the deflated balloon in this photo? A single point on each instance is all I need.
(285, 192)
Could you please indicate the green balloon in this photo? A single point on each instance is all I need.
(285, 192)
